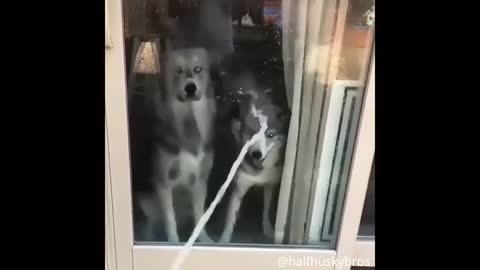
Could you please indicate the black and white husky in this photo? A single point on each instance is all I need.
(263, 163)
(183, 134)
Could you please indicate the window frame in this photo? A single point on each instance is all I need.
(121, 252)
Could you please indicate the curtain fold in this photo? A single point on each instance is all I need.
(308, 28)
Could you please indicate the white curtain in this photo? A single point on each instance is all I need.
(309, 42)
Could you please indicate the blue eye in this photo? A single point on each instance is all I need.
(271, 134)
(197, 69)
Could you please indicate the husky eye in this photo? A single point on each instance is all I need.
(178, 70)
(271, 134)
(197, 69)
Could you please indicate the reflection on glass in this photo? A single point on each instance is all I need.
(198, 75)
(367, 223)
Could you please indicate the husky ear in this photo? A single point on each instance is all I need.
(242, 109)
(284, 115)
(236, 129)
(253, 94)
(215, 71)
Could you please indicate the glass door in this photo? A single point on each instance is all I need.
(189, 83)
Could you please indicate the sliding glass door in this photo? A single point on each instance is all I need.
(185, 82)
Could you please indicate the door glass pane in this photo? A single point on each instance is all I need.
(198, 75)
(367, 223)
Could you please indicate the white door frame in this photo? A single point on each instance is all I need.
(129, 256)
(348, 244)
(110, 256)
(117, 137)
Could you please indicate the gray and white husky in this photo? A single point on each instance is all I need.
(183, 135)
(263, 164)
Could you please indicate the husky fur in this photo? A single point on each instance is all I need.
(263, 164)
(184, 111)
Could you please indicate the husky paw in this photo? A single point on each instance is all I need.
(268, 229)
(225, 239)
(173, 238)
(204, 238)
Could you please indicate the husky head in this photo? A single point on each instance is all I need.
(272, 142)
(187, 73)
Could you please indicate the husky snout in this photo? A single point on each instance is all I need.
(256, 154)
(261, 148)
(190, 89)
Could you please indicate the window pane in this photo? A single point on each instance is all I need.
(198, 75)
(367, 223)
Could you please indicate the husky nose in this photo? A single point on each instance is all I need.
(256, 154)
(190, 89)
